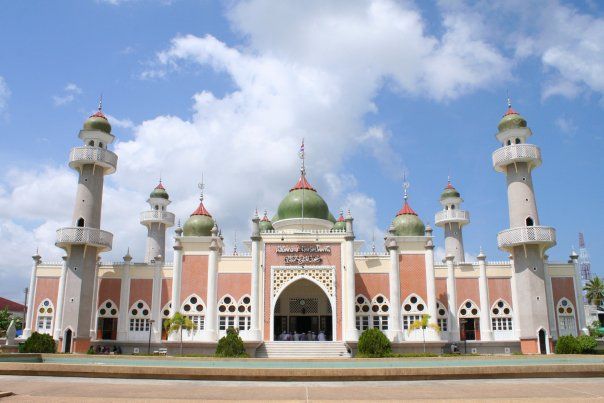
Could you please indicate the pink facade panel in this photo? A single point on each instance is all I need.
(467, 288)
(441, 291)
(109, 288)
(500, 288)
(46, 287)
(166, 291)
(235, 284)
(372, 284)
(564, 287)
(194, 277)
(141, 288)
(412, 269)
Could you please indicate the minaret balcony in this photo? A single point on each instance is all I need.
(95, 237)
(451, 216)
(80, 156)
(509, 238)
(515, 153)
(157, 217)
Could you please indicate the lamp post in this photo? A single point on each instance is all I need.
(151, 322)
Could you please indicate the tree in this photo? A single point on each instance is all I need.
(423, 324)
(6, 318)
(178, 323)
(594, 291)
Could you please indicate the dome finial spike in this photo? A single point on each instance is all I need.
(509, 100)
(201, 186)
(405, 186)
(235, 244)
(301, 154)
(373, 242)
(100, 108)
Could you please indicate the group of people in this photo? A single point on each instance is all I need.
(104, 350)
(308, 336)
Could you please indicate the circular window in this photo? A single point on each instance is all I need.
(495, 311)
(564, 302)
(232, 308)
(193, 300)
(468, 304)
(246, 300)
(166, 312)
(140, 305)
(357, 308)
(227, 300)
(365, 308)
(222, 308)
(463, 311)
(380, 299)
(187, 308)
(474, 311)
(561, 310)
(41, 310)
(442, 312)
(241, 308)
(108, 305)
(199, 308)
(103, 311)
(420, 307)
(134, 312)
(569, 310)
(360, 300)
(113, 311)
(413, 300)
(385, 308)
(145, 312)
(407, 307)
(506, 311)
(375, 308)
(46, 303)
(500, 304)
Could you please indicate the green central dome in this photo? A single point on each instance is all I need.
(97, 122)
(200, 223)
(511, 120)
(303, 196)
(407, 223)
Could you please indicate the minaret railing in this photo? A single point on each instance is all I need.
(164, 217)
(84, 236)
(451, 216)
(525, 236)
(93, 155)
(507, 155)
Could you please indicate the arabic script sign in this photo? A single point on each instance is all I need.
(303, 254)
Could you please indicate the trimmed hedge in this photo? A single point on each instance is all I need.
(231, 345)
(576, 345)
(39, 343)
(374, 344)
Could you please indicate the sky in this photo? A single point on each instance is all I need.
(378, 90)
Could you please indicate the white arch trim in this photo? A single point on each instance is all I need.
(463, 306)
(108, 314)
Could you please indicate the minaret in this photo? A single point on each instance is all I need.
(84, 240)
(526, 240)
(157, 220)
(452, 218)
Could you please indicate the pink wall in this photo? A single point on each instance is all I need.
(194, 277)
(441, 291)
(412, 269)
(166, 291)
(500, 288)
(372, 284)
(234, 284)
(564, 287)
(467, 288)
(46, 287)
(109, 288)
(141, 288)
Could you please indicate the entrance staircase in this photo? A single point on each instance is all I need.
(302, 349)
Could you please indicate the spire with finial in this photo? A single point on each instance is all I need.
(373, 242)
(302, 167)
(201, 186)
(405, 187)
(302, 182)
(100, 108)
(201, 210)
(406, 208)
(235, 245)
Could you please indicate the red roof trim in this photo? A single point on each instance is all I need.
(201, 210)
(341, 218)
(406, 210)
(99, 114)
(510, 111)
(11, 305)
(265, 218)
(302, 184)
(449, 186)
(160, 186)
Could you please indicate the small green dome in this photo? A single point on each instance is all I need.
(265, 224)
(159, 192)
(97, 122)
(511, 120)
(303, 195)
(407, 223)
(340, 224)
(449, 191)
(200, 223)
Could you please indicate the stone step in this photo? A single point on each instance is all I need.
(302, 349)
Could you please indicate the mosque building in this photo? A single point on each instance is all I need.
(303, 276)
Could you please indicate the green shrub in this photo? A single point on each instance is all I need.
(374, 344)
(587, 344)
(230, 345)
(594, 329)
(39, 343)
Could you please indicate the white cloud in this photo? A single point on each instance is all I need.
(566, 125)
(121, 123)
(70, 92)
(4, 96)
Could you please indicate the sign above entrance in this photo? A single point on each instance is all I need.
(304, 254)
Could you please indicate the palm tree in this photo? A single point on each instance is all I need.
(423, 324)
(594, 291)
(177, 323)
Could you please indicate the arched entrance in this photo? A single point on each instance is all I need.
(303, 311)
(542, 341)
(67, 341)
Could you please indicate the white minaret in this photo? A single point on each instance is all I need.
(84, 240)
(157, 220)
(526, 240)
(452, 218)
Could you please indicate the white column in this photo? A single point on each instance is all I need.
(430, 277)
(579, 294)
(31, 297)
(255, 318)
(123, 322)
(176, 278)
(95, 300)
(351, 329)
(156, 299)
(483, 291)
(211, 330)
(60, 297)
(549, 295)
(452, 299)
(395, 328)
(516, 308)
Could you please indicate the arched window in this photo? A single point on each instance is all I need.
(379, 312)
(501, 319)
(529, 222)
(194, 309)
(45, 315)
(108, 309)
(363, 311)
(509, 142)
(101, 144)
(91, 143)
(166, 311)
(453, 207)
(80, 222)
(442, 317)
(517, 141)
(413, 309)
(227, 311)
(244, 310)
(567, 324)
(107, 315)
(139, 317)
(156, 207)
(469, 310)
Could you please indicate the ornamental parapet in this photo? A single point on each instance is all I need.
(80, 156)
(451, 216)
(84, 236)
(515, 153)
(156, 216)
(509, 238)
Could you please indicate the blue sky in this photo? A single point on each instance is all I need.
(229, 89)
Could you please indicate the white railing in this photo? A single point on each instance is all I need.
(446, 216)
(306, 231)
(84, 236)
(93, 155)
(507, 155)
(371, 254)
(165, 217)
(526, 235)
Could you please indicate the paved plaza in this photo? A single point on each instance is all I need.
(50, 389)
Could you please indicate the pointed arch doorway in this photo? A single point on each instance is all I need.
(303, 307)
